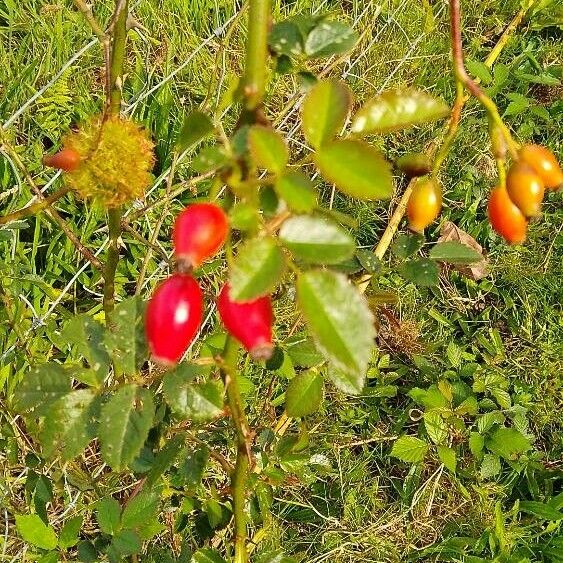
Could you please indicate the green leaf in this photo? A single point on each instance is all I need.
(126, 542)
(214, 512)
(124, 425)
(541, 510)
(297, 190)
(87, 335)
(42, 386)
(34, 531)
(422, 272)
(339, 319)
(192, 468)
(108, 515)
(448, 457)
(165, 458)
(454, 253)
(490, 466)
(356, 168)
(196, 127)
(209, 159)
(69, 532)
(407, 245)
(330, 38)
(476, 444)
(480, 70)
(257, 269)
(508, 443)
(303, 352)
(126, 341)
(325, 109)
(141, 509)
(316, 240)
(277, 556)
(410, 449)
(349, 383)
(398, 109)
(70, 424)
(286, 39)
(267, 148)
(304, 394)
(199, 402)
(206, 555)
(369, 261)
(436, 427)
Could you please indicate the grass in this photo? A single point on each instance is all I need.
(355, 503)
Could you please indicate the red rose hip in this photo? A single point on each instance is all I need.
(199, 232)
(250, 323)
(173, 317)
(66, 159)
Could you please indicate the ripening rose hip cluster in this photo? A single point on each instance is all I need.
(175, 311)
(509, 207)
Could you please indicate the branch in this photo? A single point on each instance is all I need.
(461, 75)
(34, 208)
(228, 366)
(254, 81)
(113, 107)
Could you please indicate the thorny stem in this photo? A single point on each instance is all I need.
(34, 208)
(51, 212)
(239, 476)
(254, 82)
(113, 107)
(474, 88)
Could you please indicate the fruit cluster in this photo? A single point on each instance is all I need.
(174, 312)
(510, 206)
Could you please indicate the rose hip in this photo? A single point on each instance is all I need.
(199, 232)
(250, 323)
(173, 318)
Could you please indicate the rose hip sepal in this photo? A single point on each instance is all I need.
(66, 159)
(199, 232)
(173, 317)
(250, 323)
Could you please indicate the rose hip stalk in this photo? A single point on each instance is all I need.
(199, 232)
(173, 317)
(250, 323)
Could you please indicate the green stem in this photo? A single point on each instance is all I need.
(114, 225)
(239, 476)
(34, 208)
(256, 54)
(453, 126)
(117, 61)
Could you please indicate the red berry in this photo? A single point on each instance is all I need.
(199, 232)
(173, 317)
(505, 217)
(250, 323)
(66, 159)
